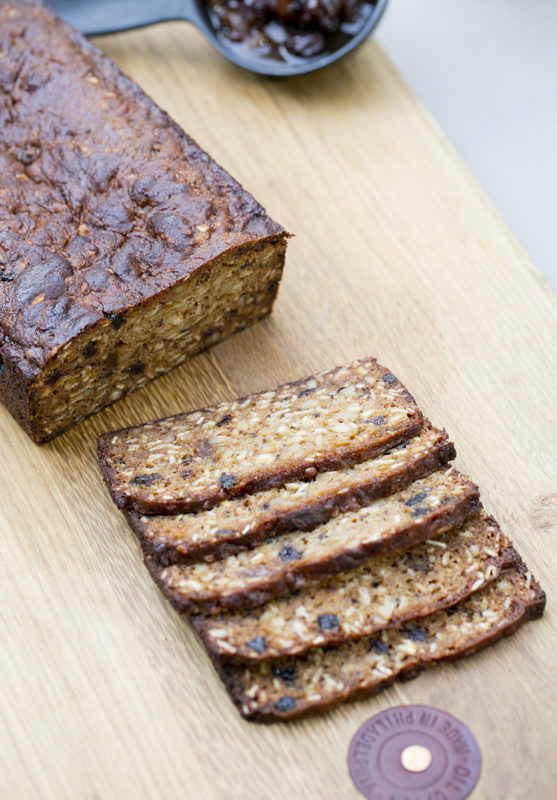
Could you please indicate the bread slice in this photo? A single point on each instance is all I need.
(193, 461)
(279, 690)
(385, 592)
(243, 522)
(427, 507)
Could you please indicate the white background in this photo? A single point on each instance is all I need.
(487, 71)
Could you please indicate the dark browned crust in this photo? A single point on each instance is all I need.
(265, 478)
(450, 515)
(334, 637)
(15, 387)
(55, 266)
(304, 518)
(522, 613)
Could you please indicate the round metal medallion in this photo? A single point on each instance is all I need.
(414, 753)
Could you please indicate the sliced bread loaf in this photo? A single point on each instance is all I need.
(323, 678)
(427, 507)
(243, 522)
(193, 461)
(384, 592)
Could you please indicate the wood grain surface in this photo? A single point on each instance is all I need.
(105, 692)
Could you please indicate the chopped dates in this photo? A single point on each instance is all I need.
(279, 28)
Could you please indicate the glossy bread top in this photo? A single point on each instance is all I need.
(104, 200)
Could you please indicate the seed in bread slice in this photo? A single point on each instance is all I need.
(429, 506)
(284, 689)
(384, 592)
(243, 522)
(193, 461)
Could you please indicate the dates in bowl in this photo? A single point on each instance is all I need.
(289, 30)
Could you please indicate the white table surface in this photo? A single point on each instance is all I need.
(487, 71)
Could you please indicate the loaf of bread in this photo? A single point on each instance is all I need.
(124, 248)
(191, 462)
(322, 679)
(244, 522)
(427, 507)
(384, 592)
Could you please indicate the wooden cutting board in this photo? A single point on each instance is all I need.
(105, 692)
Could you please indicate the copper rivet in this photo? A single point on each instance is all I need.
(415, 758)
